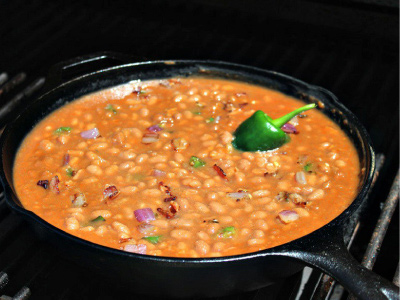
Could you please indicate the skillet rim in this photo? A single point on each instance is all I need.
(280, 250)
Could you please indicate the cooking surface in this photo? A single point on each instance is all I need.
(350, 48)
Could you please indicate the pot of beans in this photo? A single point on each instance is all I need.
(191, 178)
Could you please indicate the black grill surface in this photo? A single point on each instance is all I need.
(348, 47)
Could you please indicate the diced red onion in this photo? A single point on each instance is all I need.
(301, 177)
(158, 173)
(43, 183)
(144, 215)
(239, 195)
(288, 216)
(289, 128)
(139, 248)
(294, 121)
(90, 134)
(66, 159)
(154, 128)
(146, 228)
(149, 138)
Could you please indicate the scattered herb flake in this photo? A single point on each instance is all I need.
(152, 239)
(196, 162)
(308, 167)
(197, 113)
(70, 172)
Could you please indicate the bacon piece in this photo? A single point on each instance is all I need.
(121, 241)
(66, 159)
(179, 144)
(54, 184)
(229, 107)
(110, 193)
(137, 90)
(297, 199)
(282, 196)
(79, 200)
(165, 213)
(164, 188)
(174, 208)
(241, 105)
(220, 172)
(168, 199)
(270, 174)
(43, 183)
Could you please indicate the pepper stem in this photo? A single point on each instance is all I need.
(286, 118)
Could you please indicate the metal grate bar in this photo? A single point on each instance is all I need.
(396, 277)
(9, 106)
(16, 80)
(382, 225)
(22, 294)
(3, 280)
(3, 78)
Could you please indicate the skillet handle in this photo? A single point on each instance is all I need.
(331, 256)
(75, 67)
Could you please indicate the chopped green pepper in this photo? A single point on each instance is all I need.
(152, 239)
(62, 130)
(227, 232)
(308, 167)
(97, 220)
(261, 133)
(111, 108)
(196, 162)
(210, 120)
(70, 172)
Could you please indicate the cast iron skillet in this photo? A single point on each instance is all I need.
(186, 277)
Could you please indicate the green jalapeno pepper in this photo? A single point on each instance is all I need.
(261, 133)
